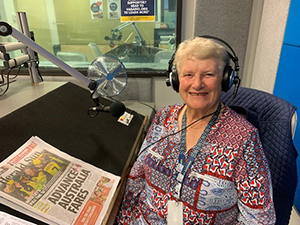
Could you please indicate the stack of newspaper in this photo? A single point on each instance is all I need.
(46, 183)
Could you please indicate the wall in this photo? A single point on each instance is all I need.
(267, 27)
(161, 94)
(270, 39)
(38, 20)
(219, 18)
(228, 20)
(288, 79)
(73, 21)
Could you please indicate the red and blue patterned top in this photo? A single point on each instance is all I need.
(228, 183)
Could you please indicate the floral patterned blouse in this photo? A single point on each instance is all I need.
(228, 183)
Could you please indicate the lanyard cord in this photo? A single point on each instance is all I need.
(203, 136)
(183, 167)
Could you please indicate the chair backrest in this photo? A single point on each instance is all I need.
(272, 116)
(163, 56)
(72, 56)
(95, 49)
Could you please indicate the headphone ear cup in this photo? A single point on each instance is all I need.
(175, 80)
(228, 77)
(172, 79)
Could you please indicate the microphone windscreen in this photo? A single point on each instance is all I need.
(117, 109)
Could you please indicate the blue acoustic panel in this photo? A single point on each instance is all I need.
(287, 86)
(292, 33)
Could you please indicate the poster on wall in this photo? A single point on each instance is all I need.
(113, 9)
(96, 10)
(137, 11)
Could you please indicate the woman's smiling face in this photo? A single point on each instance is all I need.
(200, 83)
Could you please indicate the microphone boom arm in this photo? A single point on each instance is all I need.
(6, 29)
(116, 34)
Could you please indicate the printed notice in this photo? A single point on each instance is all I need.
(137, 11)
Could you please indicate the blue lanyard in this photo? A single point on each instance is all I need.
(183, 167)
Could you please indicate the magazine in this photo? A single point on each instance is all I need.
(55, 187)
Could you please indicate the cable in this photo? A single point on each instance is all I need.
(7, 80)
(2, 81)
(38, 70)
(139, 115)
(92, 113)
(172, 134)
(228, 103)
(131, 111)
(19, 69)
(148, 106)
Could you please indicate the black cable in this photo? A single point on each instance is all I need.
(2, 82)
(7, 80)
(148, 106)
(228, 103)
(153, 109)
(17, 74)
(38, 70)
(130, 111)
(172, 134)
(92, 113)
(141, 119)
(8, 77)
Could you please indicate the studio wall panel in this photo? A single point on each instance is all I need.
(228, 20)
(288, 75)
(287, 87)
(292, 33)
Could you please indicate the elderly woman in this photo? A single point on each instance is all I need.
(200, 163)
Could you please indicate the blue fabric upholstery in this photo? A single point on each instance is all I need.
(272, 116)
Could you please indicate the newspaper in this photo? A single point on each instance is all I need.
(7, 219)
(54, 186)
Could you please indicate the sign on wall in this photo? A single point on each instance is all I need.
(137, 10)
(113, 9)
(96, 9)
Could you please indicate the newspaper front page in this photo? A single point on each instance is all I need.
(55, 187)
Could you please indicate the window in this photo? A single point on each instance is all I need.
(78, 31)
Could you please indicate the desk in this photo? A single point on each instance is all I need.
(57, 113)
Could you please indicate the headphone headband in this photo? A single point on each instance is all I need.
(232, 56)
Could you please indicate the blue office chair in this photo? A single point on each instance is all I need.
(273, 118)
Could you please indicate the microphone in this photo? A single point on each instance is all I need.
(116, 109)
(112, 43)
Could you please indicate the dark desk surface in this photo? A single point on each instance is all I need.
(60, 118)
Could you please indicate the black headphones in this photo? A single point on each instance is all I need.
(230, 76)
